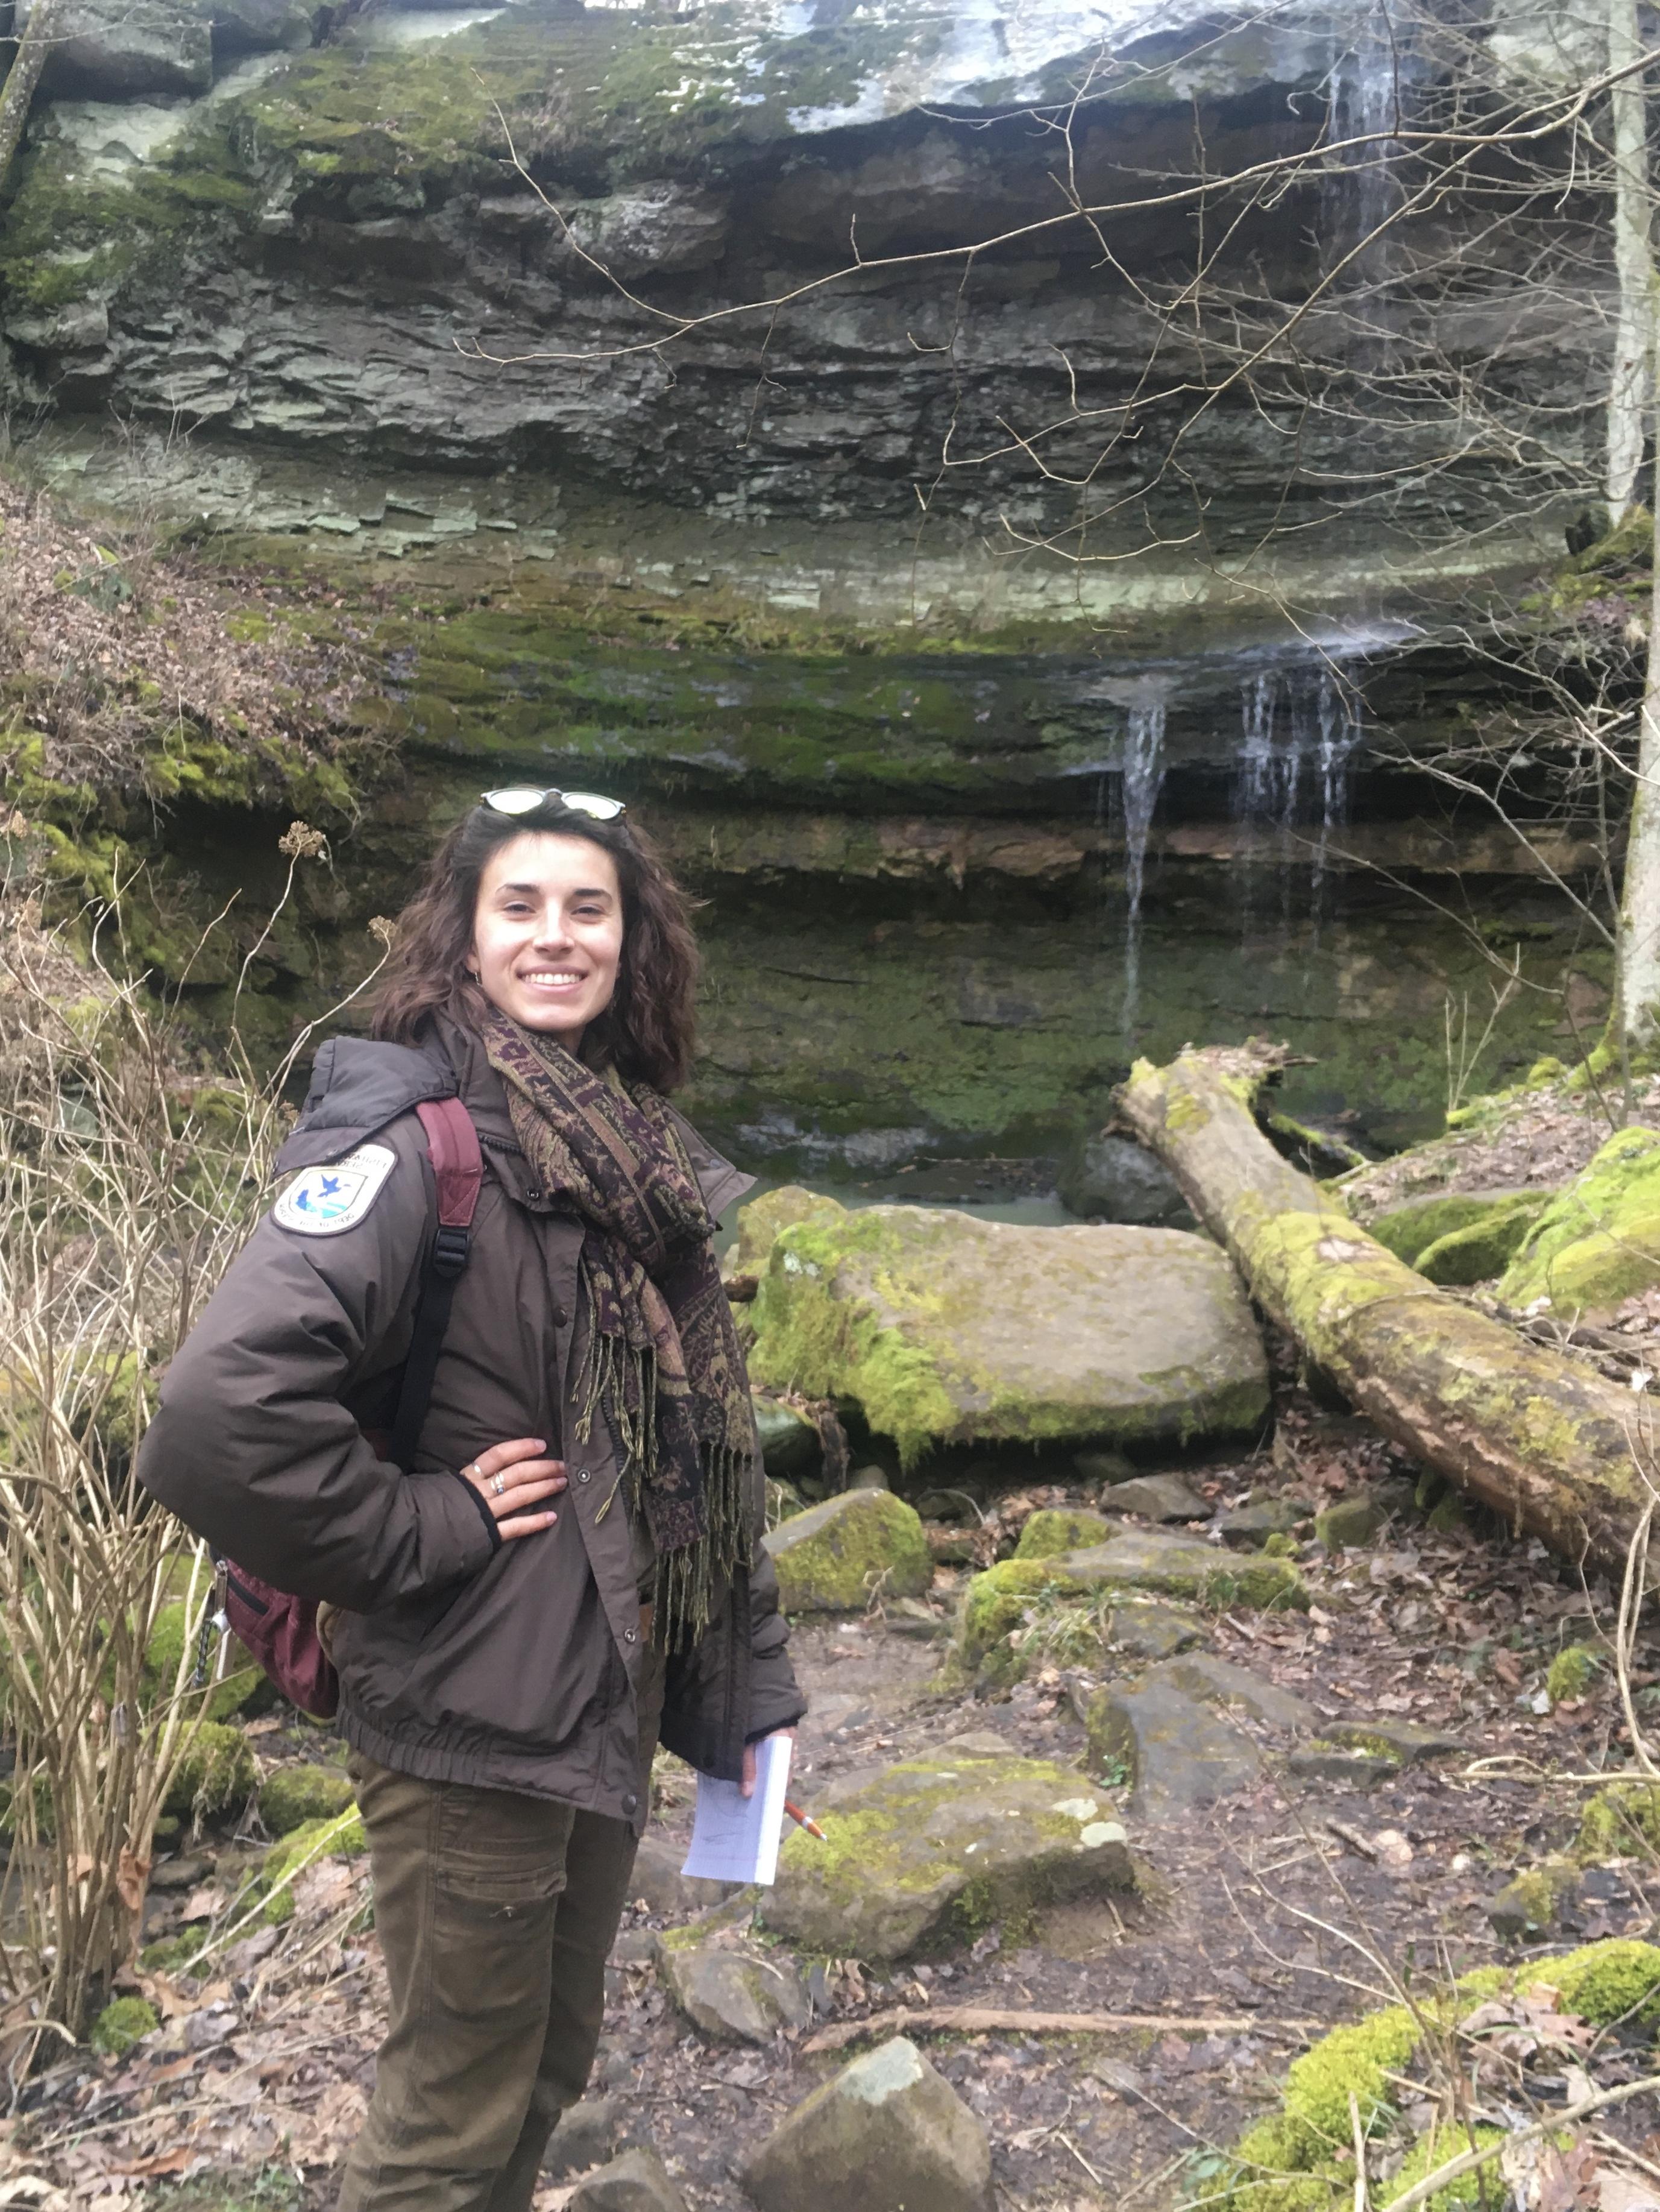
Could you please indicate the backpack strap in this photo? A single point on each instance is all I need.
(458, 1171)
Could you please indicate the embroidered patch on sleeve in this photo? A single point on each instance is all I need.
(324, 1201)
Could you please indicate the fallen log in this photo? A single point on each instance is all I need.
(991, 2019)
(1560, 1452)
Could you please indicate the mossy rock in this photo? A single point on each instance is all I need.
(933, 1850)
(1620, 1822)
(1056, 1529)
(837, 1557)
(126, 2021)
(162, 1654)
(943, 1328)
(1444, 1236)
(292, 1796)
(1532, 1903)
(217, 1771)
(1294, 2161)
(340, 1838)
(1573, 1671)
(760, 1222)
(1598, 1240)
(1144, 1560)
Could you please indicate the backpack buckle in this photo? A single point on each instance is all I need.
(451, 1248)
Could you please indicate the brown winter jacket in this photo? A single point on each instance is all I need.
(508, 1666)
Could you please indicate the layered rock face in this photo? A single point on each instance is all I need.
(627, 477)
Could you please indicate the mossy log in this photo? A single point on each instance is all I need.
(1546, 1441)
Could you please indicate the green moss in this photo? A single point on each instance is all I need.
(1598, 1240)
(341, 1838)
(997, 1602)
(837, 1557)
(1572, 1673)
(1620, 1821)
(121, 2025)
(1053, 1530)
(1470, 2192)
(761, 1221)
(162, 1656)
(1410, 1230)
(176, 1954)
(292, 1796)
(217, 1771)
(1483, 1250)
(1615, 1980)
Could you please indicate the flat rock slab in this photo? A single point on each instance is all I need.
(944, 1327)
(636, 2181)
(1405, 1741)
(836, 1557)
(1248, 1527)
(1179, 1752)
(887, 2134)
(1151, 1631)
(1340, 1763)
(734, 1992)
(1200, 1675)
(930, 1851)
(1158, 1560)
(1157, 1498)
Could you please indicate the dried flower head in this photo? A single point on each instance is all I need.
(299, 841)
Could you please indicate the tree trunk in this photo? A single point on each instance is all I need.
(1639, 951)
(17, 97)
(1550, 1445)
(1628, 374)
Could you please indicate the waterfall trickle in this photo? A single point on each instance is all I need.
(1299, 731)
(1143, 778)
(1365, 97)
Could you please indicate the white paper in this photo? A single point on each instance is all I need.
(734, 1837)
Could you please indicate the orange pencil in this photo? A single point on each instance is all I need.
(802, 1821)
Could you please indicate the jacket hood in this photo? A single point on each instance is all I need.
(358, 1085)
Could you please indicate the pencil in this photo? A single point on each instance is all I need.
(802, 1821)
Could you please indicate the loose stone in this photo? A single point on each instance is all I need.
(734, 1993)
(887, 2134)
(1158, 1497)
(836, 1557)
(586, 2135)
(1175, 1750)
(636, 2181)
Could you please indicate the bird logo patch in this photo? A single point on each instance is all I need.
(324, 1201)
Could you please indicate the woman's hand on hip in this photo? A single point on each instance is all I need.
(510, 1479)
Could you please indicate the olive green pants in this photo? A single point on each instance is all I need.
(495, 1914)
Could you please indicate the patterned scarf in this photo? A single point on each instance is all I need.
(663, 1358)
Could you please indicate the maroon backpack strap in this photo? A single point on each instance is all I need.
(458, 1170)
(457, 1163)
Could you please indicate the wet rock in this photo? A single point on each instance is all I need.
(1150, 1630)
(1248, 1527)
(941, 1326)
(1158, 1497)
(123, 49)
(790, 1443)
(586, 2135)
(1200, 1675)
(1535, 1901)
(734, 1993)
(887, 2134)
(1103, 1467)
(1052, 1530)
(1114, 1179)
(1341, 1764)
(836, 1557)
(658, 1883)
(637, 2182)
(1352, 1521)
(1177, 1752)
(932, 1849)
(1405, 1741)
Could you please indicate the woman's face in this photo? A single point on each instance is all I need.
(548, 932)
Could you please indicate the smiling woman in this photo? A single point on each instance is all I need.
(566, 1568)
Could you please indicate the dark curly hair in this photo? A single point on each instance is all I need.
(647, 1032)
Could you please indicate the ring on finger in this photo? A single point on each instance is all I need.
(501, 1483)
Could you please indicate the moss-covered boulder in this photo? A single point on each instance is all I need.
(165, 1649)
(1445, 1235)
(294, 1794)
(932, 1850)
(1598, 1240)
(1056, 1529)
(1620, 1822)
(1294, 2159)
(1141, 1560)
(837, 1557)
(762, 1222)
(217, 1772)
(943, 1328)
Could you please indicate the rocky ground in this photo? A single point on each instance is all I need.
(1291, 1902)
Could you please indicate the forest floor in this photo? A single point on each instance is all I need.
(1277, 1912)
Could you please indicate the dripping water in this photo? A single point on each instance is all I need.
(1141, 780)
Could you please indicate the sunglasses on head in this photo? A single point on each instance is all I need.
(523, 799)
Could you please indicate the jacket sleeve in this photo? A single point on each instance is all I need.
(776, 1700)
(252, 1447)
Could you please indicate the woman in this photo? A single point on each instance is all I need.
(571, 1567)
